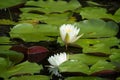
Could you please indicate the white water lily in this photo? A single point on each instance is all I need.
(69, 33)
(57, 59)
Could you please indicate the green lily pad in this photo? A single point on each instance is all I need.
(97, 11)
(22, 68)
(33, 77)
(101, 45)
(115, 57)
(68, 66)
(54, 19)
(13, 56)
(4, 64)
(50, 6)
(102, 65)
(85, 78)
(96, 28)
(87, 59)
(30, 33)
(5, 43)
(118, 78)
(10, 3)
(7, 22)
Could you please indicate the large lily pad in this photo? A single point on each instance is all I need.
(87, 59)
(33, 77)
(50, 6)
(74, 66)
(96, 28)
(98, 13)
(30, 33)
(85, 78)
(22, 68)
(10, 3)
(13, 56)
(5, 43)
(101, 45)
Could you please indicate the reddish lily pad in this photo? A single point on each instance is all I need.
(32, 54)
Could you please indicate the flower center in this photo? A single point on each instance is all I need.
(68, 30)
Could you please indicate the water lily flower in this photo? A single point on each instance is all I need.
(55, 61)
(69, 33)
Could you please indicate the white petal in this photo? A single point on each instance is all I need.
(57, 59)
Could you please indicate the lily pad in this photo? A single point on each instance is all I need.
(33, 77)
(98, 13)
(50, 6)
(26, 31)
(4, 64)
(22, 68)
(101, 45)
(74, 66)
(96, 28)
(5, 43)
(13, 56)
(10, 3)
(85, 78)
(87, 59)
(102, 65)
(115, 57)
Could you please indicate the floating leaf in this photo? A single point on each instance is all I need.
(22, 68)
(33, 77)
(5, 43)
(13, 56)
(97, 11)
(101, 65)
(4, 64)
(96, 28)
(10, 3)
(101, 45)
(54, 19)
(115, 57)
(38, 33)
(74, 66)
(87, 59)
(51, 6)
(85, 78)
(7, 22)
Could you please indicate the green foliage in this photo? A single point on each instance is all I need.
(95, 28)
(98, 13)
(20, 69)
(10, 3)
(4, 41)
(83, 68)
(51, 6)
(101, 45)
(84, 78)
(87, 59)
(38, 32)
(33, 77)
(7, 22)
(13, 56)
(50, 12)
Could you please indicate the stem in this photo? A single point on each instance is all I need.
(10, 15)
(66, 46)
